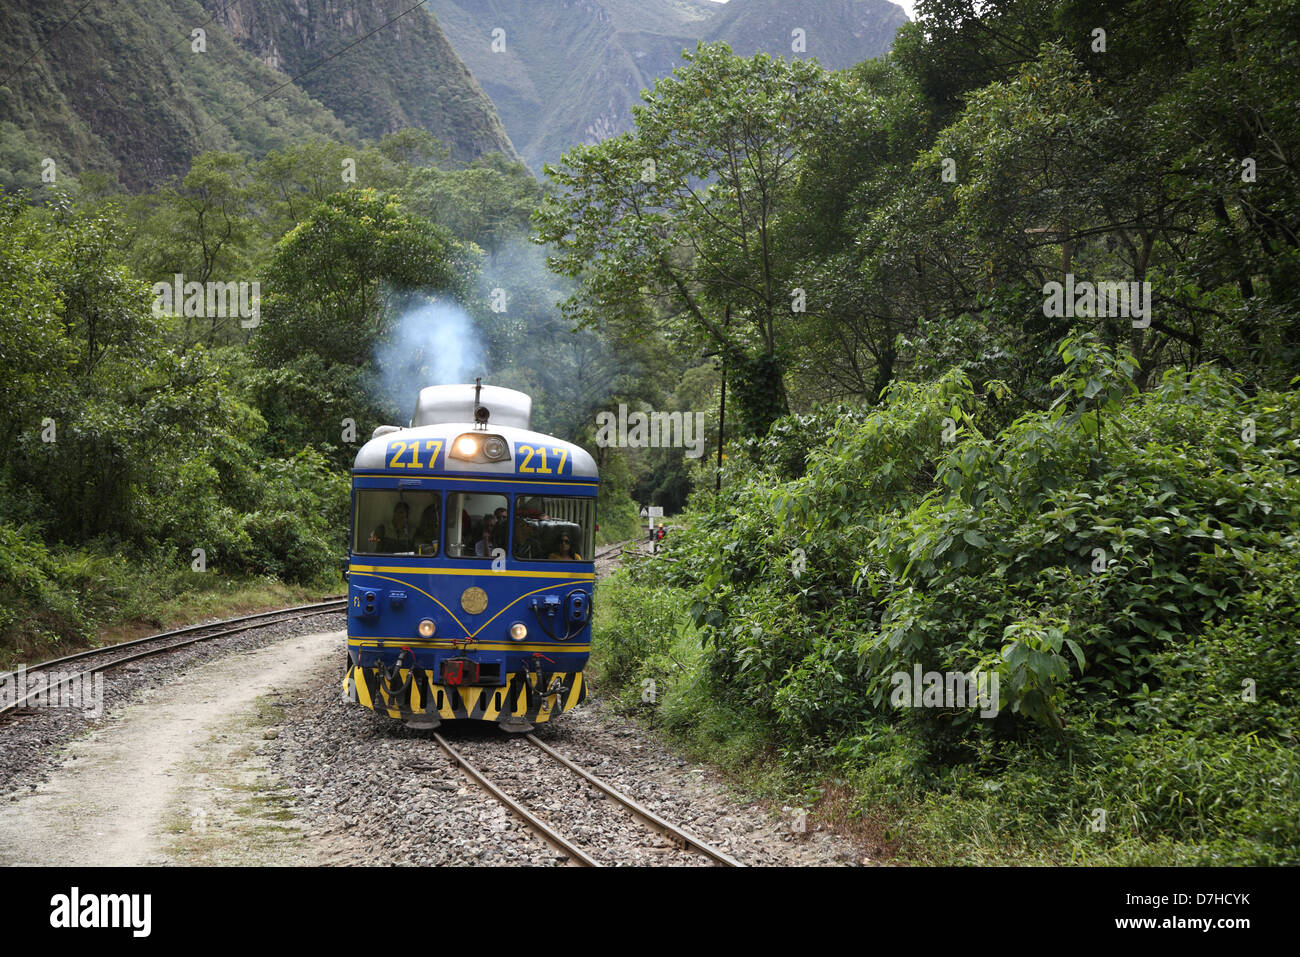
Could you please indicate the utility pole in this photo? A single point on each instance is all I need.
(722, 421)
(720, 363)
(721, 355)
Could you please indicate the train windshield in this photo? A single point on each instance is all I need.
(555, 528)
(396, 522)
(476, 524)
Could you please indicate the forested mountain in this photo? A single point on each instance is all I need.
(411, 77)
(569, 71)
(132, 91)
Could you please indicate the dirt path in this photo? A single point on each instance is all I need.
(180, 776)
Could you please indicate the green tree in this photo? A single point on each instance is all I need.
(487, 203)
(324, 291)
(673, 224)
(337, 282)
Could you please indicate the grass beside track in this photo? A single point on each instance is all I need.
(131, 604)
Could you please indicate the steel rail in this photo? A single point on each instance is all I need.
(677, 835)
(575, 854)
(150, 652)
(89, 652)
(609, 551)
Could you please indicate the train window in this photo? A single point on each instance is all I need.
(396, 522)
(476, 524)
(554, 528)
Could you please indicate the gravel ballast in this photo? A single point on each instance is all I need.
(394, 790)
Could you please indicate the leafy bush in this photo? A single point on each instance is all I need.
(616, 513)
(647, 659)
(631, 629)
(1122, 562)
(39, 595)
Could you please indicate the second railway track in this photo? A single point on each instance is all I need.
(151, 645)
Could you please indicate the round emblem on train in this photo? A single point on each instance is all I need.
(474, 600)
(470, 570)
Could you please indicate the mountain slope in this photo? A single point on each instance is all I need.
(118, 88)
(572, 69)
(836, 32)
(405, 74)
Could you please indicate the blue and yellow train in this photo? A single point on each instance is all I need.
(470, 569)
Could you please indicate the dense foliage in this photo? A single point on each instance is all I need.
(1125, 563)
(1098, 508)
(121, 449)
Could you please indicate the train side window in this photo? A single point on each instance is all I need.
(554, 528)
(475, 524)
(396, 522)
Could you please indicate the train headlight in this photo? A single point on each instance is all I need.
(427, 628)
(519, 631)
(479, 447)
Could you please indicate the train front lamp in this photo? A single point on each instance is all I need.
(479, 447)
(518, 631)
(427, 628)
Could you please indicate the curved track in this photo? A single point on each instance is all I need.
(259, 620)
(610, 551)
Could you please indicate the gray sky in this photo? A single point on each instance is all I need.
(908, 5)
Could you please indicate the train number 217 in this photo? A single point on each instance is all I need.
(535, 460)
(406, 455)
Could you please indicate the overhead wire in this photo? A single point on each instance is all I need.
(14, 72)
(253, 102)
(311, 69)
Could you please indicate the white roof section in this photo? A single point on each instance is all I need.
(455, 403)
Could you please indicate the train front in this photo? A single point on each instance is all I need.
(470, 571)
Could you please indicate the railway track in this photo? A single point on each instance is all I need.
(212, 630)
(611, 550)
(574, 854)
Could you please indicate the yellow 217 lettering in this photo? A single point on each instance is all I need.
(542, 469)
(398, 449)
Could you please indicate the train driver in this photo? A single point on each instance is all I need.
(399, 540)
(426, 533)
(526, 543)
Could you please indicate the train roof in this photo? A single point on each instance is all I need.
(457, 403)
